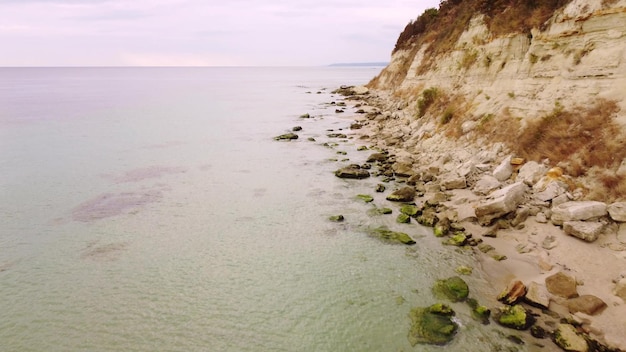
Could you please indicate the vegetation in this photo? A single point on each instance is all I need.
(426, 100)
(441, 28)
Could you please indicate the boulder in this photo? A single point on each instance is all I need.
(568, 339)
(404, 194)
(577, 210)
(503, 171)
(360, 90)
(409, 209)
(297, 128)
(336, 218)
(403, 169)
(531, 172)
(453, 288)
(392, 236)
(617, 211)
(501, 202)
(514, 317)
(353, 172)
(562, 285)
(537, 295)
(588, 304)
(377, 157)
(432, 325)
(455, 182)
(585, 230)
(550, 191)
(486, 184)
(513, 294)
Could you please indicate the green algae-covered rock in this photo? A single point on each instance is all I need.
(287, 136)
(362, 148)
(392, 236)
(380, 188)
(459, 239)
(454, 289)
(432, 325)
(365, 197)
(410, 210)
(463, 270)
(479, 312)
(403, 219)
(568, 339)
(515, 317)
(384, 211)
(353, 172)
(336, 218)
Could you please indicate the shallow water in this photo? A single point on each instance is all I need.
(150, 209)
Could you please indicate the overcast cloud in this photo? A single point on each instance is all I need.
(201, 32)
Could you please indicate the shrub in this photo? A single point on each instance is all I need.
(428, 98)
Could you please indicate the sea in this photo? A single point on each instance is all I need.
(150, 209)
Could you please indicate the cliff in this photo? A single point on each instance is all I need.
(549, 87)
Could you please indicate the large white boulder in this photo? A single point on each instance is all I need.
(585, 230)
(501, 202)
(577, 210)
(531, 172)
(503, 171)
(617, 211)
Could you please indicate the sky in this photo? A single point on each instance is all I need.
(201, 32)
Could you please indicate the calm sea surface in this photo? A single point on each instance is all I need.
(149, 209)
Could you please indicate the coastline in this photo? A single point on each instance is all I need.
(535, 249)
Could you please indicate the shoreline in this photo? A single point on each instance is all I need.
(535, 249)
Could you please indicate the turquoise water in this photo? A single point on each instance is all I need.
(149, 209)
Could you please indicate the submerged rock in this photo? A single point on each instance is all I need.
(410, 210)
(403, 219)
(286, 137)
(453, 288)
(365, 197)
(432, 325)
(353, 172)
(392, 236)
(336, 218)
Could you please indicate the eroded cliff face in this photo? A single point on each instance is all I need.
(578, 58)
(492, 88)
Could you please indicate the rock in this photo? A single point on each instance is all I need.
(410, 210)
(521, 214)
(384, 211)
(551, 190)
(549, 242)
(501, 202)
(403, 219)
(336, 135)
(514, 317)
(305, 116)
(437, 199)
(617, 211)
(360, 90)
(377, 157)
(453, 288)
(620, 289)
(479, 312)
(432, 325)
(458, 239)
(562, 285)
(530, 173)
(365, 197)
(405, 194)
(537, 296)
(380, 188)
(541, 218)
(503, 171)
(577, 210)
(287, 136)
(456, 182)
(403, 169)
(297, 128)
(392, 236)
(428, 218)
(463, 270)
(585, 230)
(442, 227)
(588, 304)
(336, 218)
(513, 293)
(353, 172)
(568, 339)
(486, 184)
(356, 126)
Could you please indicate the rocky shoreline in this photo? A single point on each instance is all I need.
(545, 250)
(527, 222)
